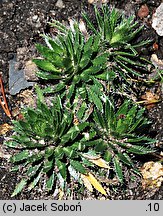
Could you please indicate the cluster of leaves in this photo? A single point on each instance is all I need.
(120, 134)
(72, 61)
(117, 34)
(83, 129)
(49, 143)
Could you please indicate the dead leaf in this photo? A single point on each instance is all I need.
(152, 173)
(91, 157)
(100, 162)
(149, 99)
(61, 194)
(75, 120)
(95, 183)
(27, 97)
(87, 183)
(15, 111)
(4, 128)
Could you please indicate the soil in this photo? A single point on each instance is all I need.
(21, 23)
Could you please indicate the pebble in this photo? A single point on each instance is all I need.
(17, 80)
(157, 20)
(30, 70)
(158, 63)
(60, 4)
(35, 18)
(143, 11)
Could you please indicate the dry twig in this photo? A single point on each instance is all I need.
(3, 101)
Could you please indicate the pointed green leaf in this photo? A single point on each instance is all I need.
(69, 151)
(50, 182)
(34, 183)
(118, 169)
(86, 58)
(91, 70)
(78, 166)
(125, 158)
(109, 115)
(98, 119)
(46, 65)
(107, 156)
(89, 23)
(93, 98)
(88, 44)
(32, 170)
(48, 165)
(71, 91)
(60, 86)
(123, 108)
(140, 150)
(49, 151)
(12, 144)
(81, 111)
(20, 156)
(78, 128)
(101, 59)
(62, 169)
(19, 187)
(32, 114)
(47, 76)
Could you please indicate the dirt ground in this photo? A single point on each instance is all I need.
(21, 23)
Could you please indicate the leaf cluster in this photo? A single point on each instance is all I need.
(49, 144)
(117, 33)
(120, 134)
(83, 129)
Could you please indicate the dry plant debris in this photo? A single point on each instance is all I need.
(149, 99)
(3, 101)
(27, 97)
(152, 173)
(89, 181)
(4, 128)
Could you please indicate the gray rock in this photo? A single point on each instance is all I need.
(17, 80)
(157, 20)
(60, 4)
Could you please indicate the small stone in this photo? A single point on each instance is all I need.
(158, 63)
(60, 4)
(35, 18)
(143, 11)
(30, 70)
(157, 20)
(17, 80)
